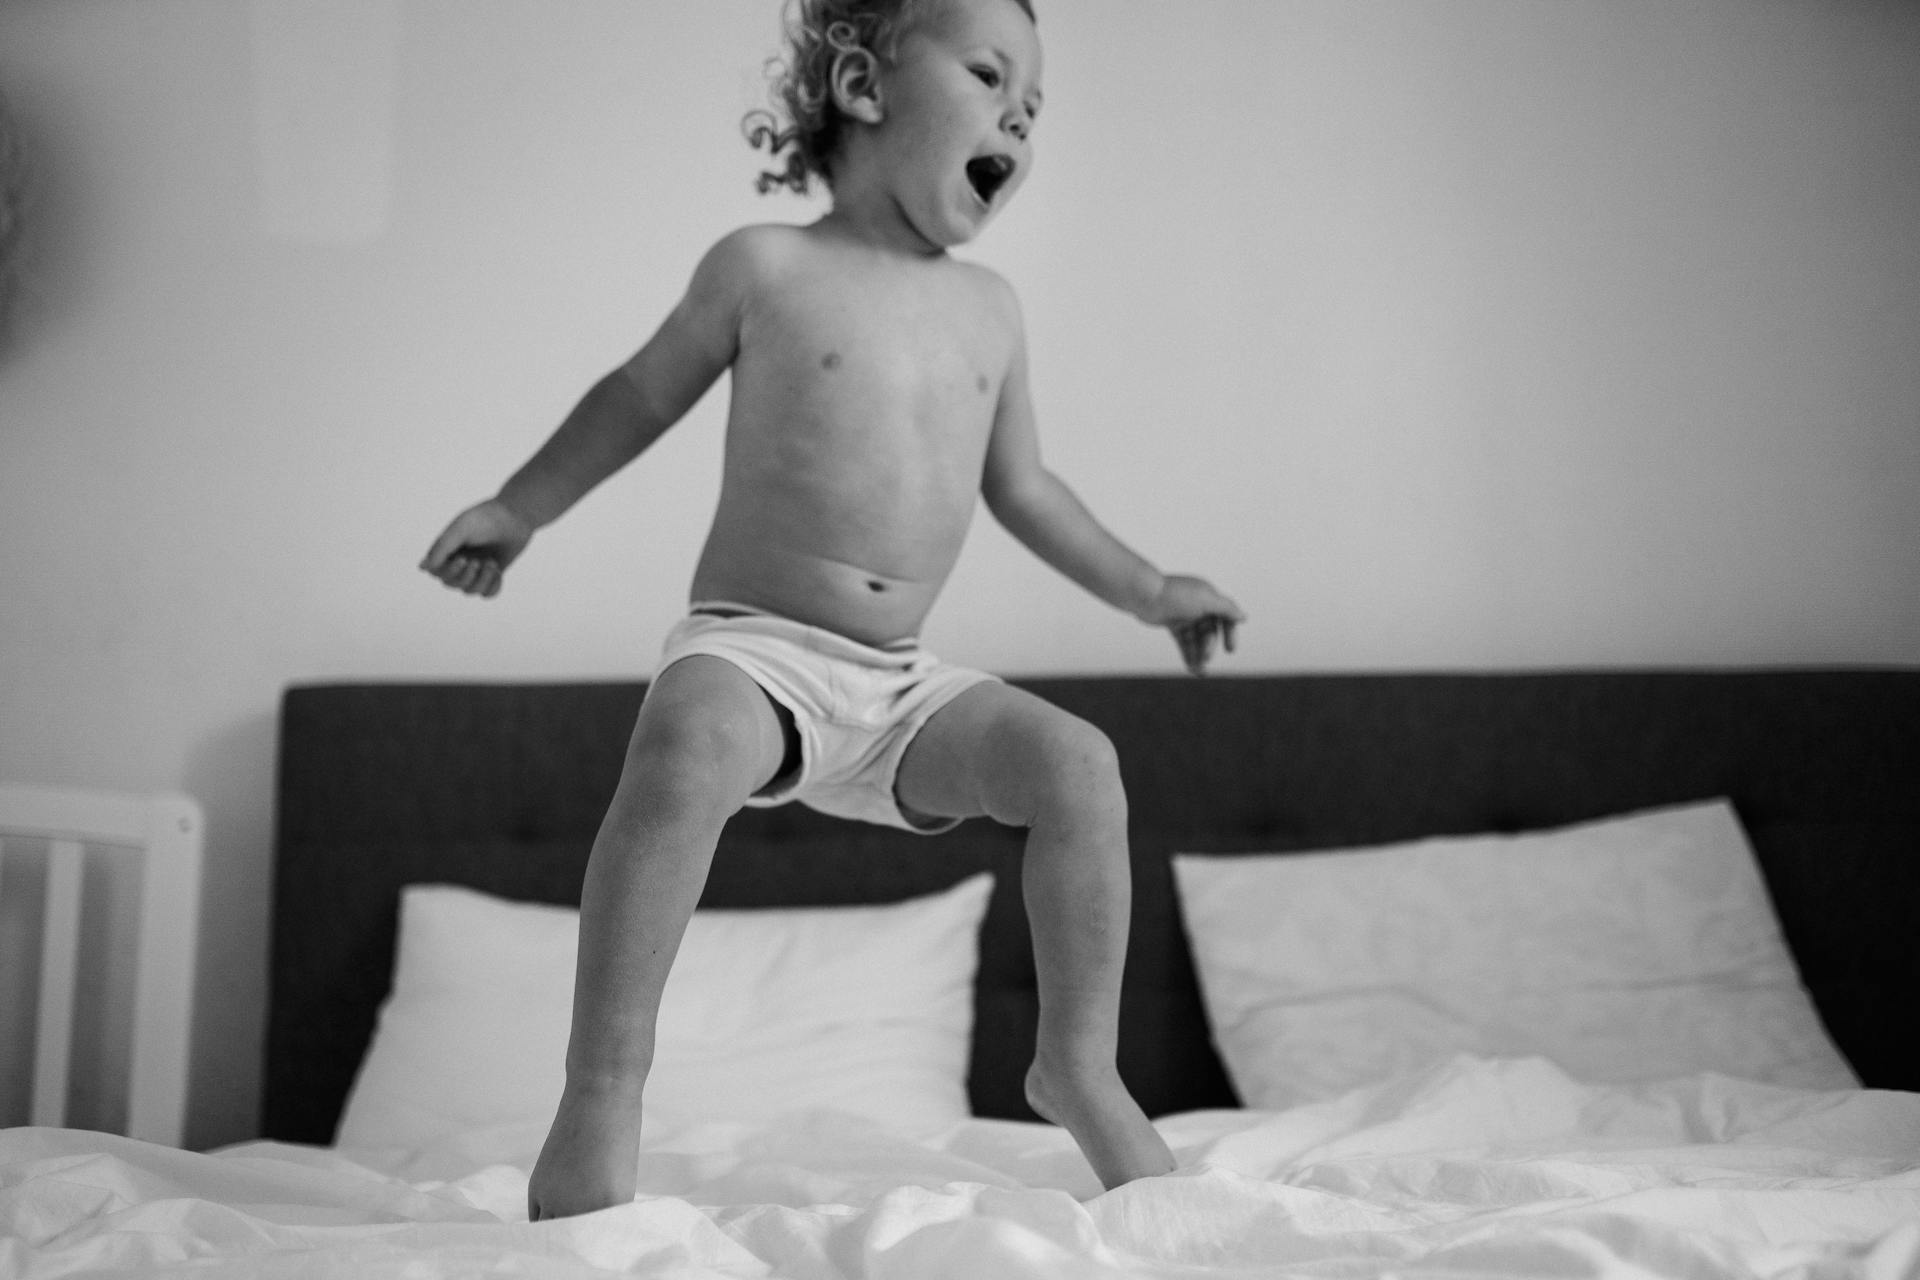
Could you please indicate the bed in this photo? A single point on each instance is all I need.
(1505, 974)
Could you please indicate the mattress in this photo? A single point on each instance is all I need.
(1488, 1167)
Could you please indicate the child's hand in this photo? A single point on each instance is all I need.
(477, 547)
(1197, 615)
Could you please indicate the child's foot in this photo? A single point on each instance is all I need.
(592, 1153)
(1095, 1107)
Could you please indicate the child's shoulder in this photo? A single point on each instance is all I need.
(743, 265)
(994, 290)
(751, 252)
(766, 255)
(990, 282)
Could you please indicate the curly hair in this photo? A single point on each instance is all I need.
(818, 32)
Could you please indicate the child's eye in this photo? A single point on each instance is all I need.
(988, 76)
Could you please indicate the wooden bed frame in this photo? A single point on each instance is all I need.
(501, 786)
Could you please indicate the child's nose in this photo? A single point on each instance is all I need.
(1017, 122)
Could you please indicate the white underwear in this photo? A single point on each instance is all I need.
(856, 707)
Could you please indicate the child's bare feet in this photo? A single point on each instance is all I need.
(592, 1153)
(1095, 1107)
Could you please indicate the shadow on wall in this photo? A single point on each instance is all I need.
(28, 219)
(15, 189)
(230, 773)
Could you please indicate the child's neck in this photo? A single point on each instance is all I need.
(893, 237)
(866, 213)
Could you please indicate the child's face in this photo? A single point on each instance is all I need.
(959, 102)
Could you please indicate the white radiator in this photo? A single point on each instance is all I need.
(56, 832)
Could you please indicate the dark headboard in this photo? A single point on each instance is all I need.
(501, 786)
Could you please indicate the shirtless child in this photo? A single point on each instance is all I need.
(878, 386)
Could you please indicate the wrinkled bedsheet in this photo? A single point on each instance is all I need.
(1481, 1168)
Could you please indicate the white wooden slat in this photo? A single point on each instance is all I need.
(59, 963)
(163, 991)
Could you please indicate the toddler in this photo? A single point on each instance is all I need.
(878, 385)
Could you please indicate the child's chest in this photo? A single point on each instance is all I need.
(920, 343)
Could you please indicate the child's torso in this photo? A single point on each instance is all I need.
(864, 394)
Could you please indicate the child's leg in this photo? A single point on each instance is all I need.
(707, 738)
(999, 751)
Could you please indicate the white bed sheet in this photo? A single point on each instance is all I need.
(1481, 1167)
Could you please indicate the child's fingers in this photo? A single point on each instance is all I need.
(1196, 642)
(1183, 637)
(475, 572)
(444, 549)
(447, 567)
(1197, 638)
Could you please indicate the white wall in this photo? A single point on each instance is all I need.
(1444, 334)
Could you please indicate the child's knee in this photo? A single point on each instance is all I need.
(1076, 771)
(704, 762)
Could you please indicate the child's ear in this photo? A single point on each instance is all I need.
(855, 81)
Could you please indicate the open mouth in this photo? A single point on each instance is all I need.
(987, 174)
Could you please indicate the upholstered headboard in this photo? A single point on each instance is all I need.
(501, 786)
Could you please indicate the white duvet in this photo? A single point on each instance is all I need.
(1481, 1168)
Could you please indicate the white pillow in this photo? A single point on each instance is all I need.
(866, 1009)
(1630, 949)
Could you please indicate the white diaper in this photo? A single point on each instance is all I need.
(856, 707)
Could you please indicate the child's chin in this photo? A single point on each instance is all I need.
(949, 237)
(967, 230)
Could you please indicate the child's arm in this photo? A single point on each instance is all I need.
(614, 422)
(1036, 507)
